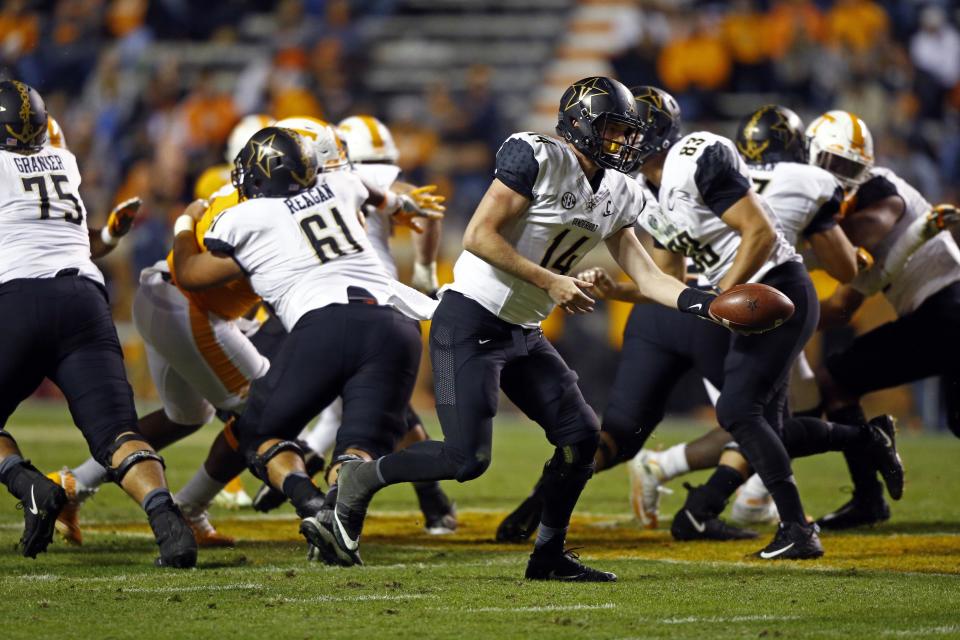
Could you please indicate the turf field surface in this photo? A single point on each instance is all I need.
(901, 579)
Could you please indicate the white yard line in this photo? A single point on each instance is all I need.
(723, 619)
(213, 587)
(923, 631)
(541, 609)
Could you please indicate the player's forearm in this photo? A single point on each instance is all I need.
(185, 254)
(756, 244)
(99, 248)
(651, 284)
(488, 245)
(426, 245)
(915, 236)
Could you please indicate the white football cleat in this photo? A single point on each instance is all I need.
(754, 505)
(645, 488)
(233, 496)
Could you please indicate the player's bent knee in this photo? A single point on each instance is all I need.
(257, 462)
(472, 468)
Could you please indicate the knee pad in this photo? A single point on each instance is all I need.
(574, 459)
(731, 409)
(733, 445)
(470, 468)
(117, 473)
(257, 463)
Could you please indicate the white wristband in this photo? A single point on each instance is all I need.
(183, 223)
(391, 202)
(108, 238)
(424, 277)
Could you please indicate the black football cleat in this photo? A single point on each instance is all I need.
(41, 506)
(793, 541)
(439, 512)
(178, 546)
(522, 522)
(350, 511)
(882, 449)
(564, 567)
(698, 519)
(322, 542)
(858, 512)
(267, 498)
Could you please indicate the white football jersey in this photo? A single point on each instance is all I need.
(565, 220)
(703, 175)
(301, 253)
(43, 223)
(931, 267)
(379, 224)
(805, 199)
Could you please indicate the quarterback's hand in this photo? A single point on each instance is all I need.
(421, 202)
(941, 217)
(196, 209)
(121, 218)
(603, 285)
(567, 293)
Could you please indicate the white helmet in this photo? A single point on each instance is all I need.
(55, 137)
(368, 140)
(840, 142)
(242, 132)
(331, 154)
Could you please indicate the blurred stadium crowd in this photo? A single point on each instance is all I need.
(148, 90)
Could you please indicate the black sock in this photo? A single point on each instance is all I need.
(19, 475)
(787, 498)
(862, 472)
(766, 453)
(806, 436)
(850, 414)
(157, 500)
(724, 481)
(431, 497)
(299, 489)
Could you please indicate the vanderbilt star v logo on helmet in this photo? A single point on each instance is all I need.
(771, 134)
(275, 162)
(598, 118)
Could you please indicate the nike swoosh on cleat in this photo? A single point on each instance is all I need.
(485, 341)
(33, 498)
(886, 438)
(699, 526)
(773, 554)
(350, 543)
(695, 306)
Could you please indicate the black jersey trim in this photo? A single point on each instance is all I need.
(718, 178)
(825, 218)
(219, 246)
(517, 166)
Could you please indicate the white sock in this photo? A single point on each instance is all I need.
(673, 462)
(90, 474)
(200, 491)
(323, 434)
(754, 488)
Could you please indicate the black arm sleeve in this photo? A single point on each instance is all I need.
(873, 191)
(825, 219)
(517, 167)
(219, 246)
(718, 178)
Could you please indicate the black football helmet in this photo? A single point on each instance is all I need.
(659, 115)
(771, 134)
(598, 118)
(275, 163)
(23, 118)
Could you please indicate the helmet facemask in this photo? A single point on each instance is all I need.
(616, 138)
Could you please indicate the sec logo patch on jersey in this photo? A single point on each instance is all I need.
(568, 201)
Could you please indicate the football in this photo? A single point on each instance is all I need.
(752, 308)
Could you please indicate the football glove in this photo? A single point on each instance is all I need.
(424, 278)
(121, 218)
(421, 202)
(942, 216)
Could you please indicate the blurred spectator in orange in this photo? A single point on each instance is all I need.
(19, 30)
(790, 23)
(857, 25)
(695, 59)
(744, 31)
(209, 114)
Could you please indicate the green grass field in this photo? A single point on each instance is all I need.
(898, 580)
